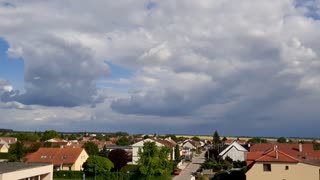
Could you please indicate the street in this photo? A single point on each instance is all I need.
(192, 167)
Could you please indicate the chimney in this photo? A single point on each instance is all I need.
(276, 150)
(300, 147)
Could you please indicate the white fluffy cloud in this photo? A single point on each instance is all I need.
(206, 62)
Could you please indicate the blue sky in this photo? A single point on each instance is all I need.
(10, 68)
(241, 67)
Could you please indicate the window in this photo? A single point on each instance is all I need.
(43, 157)
(287, 168)
(266, 167)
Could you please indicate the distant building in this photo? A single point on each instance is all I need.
(25, 171)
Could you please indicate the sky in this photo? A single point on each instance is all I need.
(242, 67)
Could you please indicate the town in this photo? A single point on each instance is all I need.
(159, 90)
(121, 156)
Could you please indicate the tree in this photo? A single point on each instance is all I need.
(72, 137)
(224, 139)
(121, 134)
(16, 151)
(34, 147)
(177, 153)
(97, 165)
(91, 148)
(281, 140)
(27, 137)
(216, 138)
(104, 152)
(49, 135)
(195, 138)
(257, 140)
(153, 160)
(119, 157)
(123, 141)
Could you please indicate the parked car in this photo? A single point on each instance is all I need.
(176, 172)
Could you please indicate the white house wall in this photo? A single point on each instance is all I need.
(235, 154)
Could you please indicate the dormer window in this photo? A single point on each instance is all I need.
(64, 157)
(43, 157)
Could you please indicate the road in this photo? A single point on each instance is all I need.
(192, 167)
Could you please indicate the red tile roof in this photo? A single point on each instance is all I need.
(289, 153)
(230, 141)
(9, 140)
(307, 152)
(277, 156)
(166, 143)
(56, 156)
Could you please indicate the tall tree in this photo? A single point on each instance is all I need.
(104, 152)
(153, 160)
(16, 151)
(119, 157)
(177, 153)
(91, 148)
(216, 138)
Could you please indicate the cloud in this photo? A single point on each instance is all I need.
(200, 62)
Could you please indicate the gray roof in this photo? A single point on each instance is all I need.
(6, 167)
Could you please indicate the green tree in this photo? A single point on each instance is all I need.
(16, 151)
(177, 153)
(27, 137)
(121, 134)
(216, 138)
(119, 157)
(91, 148)
(34, 147)
(173, 137)
(49, 135)
(104, 152)
(195, 138)
(281, 140)
(224, 139)
(72, 137)
(153, 160)
(257, 140)
(96, 165)
(123, 141)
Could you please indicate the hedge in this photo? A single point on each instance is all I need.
(4, 155)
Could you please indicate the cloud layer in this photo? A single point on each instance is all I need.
(202, 63)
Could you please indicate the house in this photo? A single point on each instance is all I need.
(276, 164)
(235, 151)
(189, 144)
(283, 161)
(61, 158)
(18, 170)
(159, 143)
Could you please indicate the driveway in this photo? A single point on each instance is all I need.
(191, 167)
